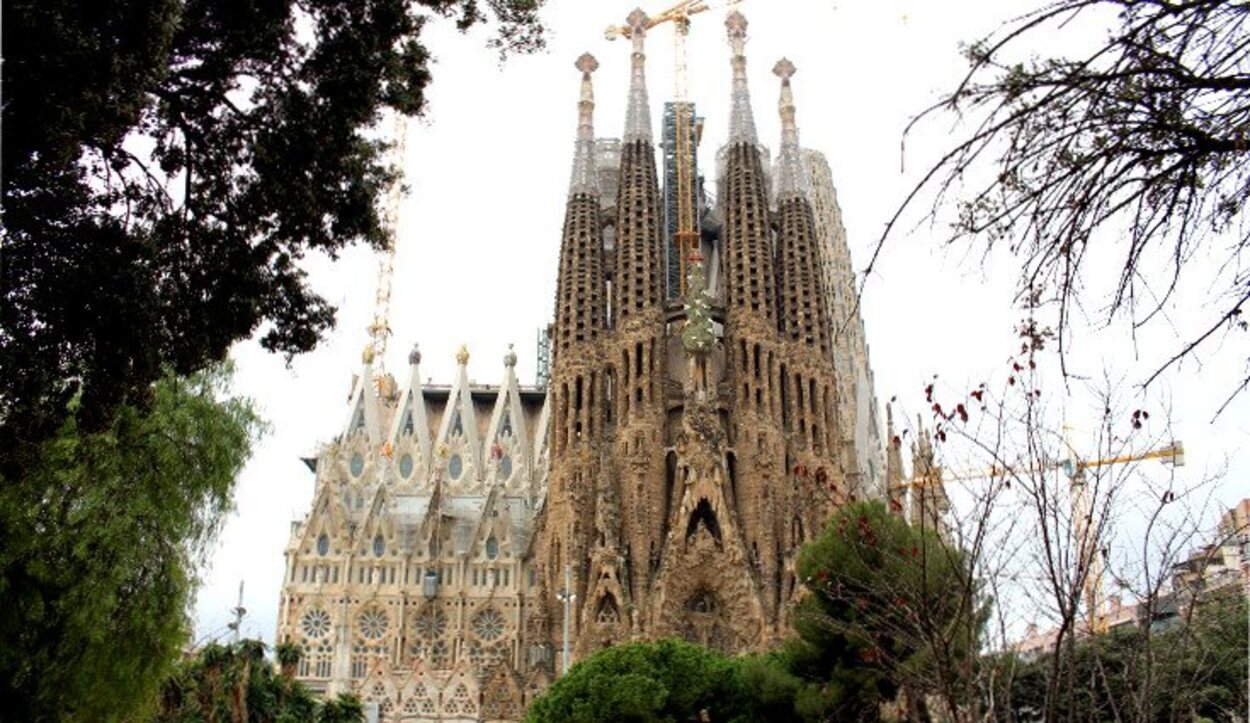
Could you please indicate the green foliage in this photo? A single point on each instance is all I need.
(102, 532)
(168, 163)
(1186, 672)
(669, 680)
(236, 683)
(891, 607)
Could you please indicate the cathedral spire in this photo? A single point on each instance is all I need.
(791, 173)
(638, 111)
(741, 120)
(585, 179)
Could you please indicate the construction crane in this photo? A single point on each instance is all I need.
(686, 238)
(1088, 549)
(380, 327)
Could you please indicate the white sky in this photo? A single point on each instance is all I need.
(480, 233)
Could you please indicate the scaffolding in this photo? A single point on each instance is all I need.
(674, 256)
(543, 374)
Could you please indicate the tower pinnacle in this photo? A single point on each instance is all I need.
(791, 173)
(584, 178)
(741, 120)
(638, 111)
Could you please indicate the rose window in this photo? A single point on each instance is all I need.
(315, 623)
(373, 624)
(431, 624)
(488, 624)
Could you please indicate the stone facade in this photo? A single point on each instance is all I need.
(661, 484)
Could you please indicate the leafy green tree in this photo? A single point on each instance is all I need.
(1137, 145)
(168, 163)
(236, 684)
(101, 542)
(892, 607)
(344, 709)
(669, 680)
(1195, 670)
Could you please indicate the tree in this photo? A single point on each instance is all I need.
(168, 163)
(236, 684)
(892, 607)
(1199, 666)
(101, 542)
(669, 680)
(1140, 147)
(1075, 535)
(288, 656)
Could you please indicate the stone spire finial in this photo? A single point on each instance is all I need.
(791, 173)
(462, 356)
(414, 356)
(584, 178)
(638, 110)
(741, 119)
(509, 359)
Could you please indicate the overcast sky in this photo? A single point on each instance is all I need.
(479, 236)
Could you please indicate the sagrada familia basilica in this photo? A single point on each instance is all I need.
(707, 407)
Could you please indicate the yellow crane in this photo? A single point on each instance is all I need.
(1088, 549)
(380, 326)
(686, 238)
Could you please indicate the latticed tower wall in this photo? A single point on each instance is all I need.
(860, 426)
(819, 462)
(754, 362)
(578, 386)
(637, 348)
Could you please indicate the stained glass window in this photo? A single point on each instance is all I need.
(488, 624)
(373, 624)
(323, 544)
(357, 464)
(379, 546)
(492, 548)
(455, 467)
(505, 467)
(405, 466)
(315, 623)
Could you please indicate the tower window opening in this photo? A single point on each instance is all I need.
(705, 516)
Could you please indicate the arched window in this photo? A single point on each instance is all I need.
(357, 464)
(455, 467)
(379, 546)
(492, 548)
(323, 544)
(405, 466)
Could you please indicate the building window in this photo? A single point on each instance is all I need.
(492, 548)
(505, 467)
(315, 623)
(373, 624)
(379, 546)
(455, 467)
(488, 624)
(405, 466)
(357, 464)
(323, 544)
